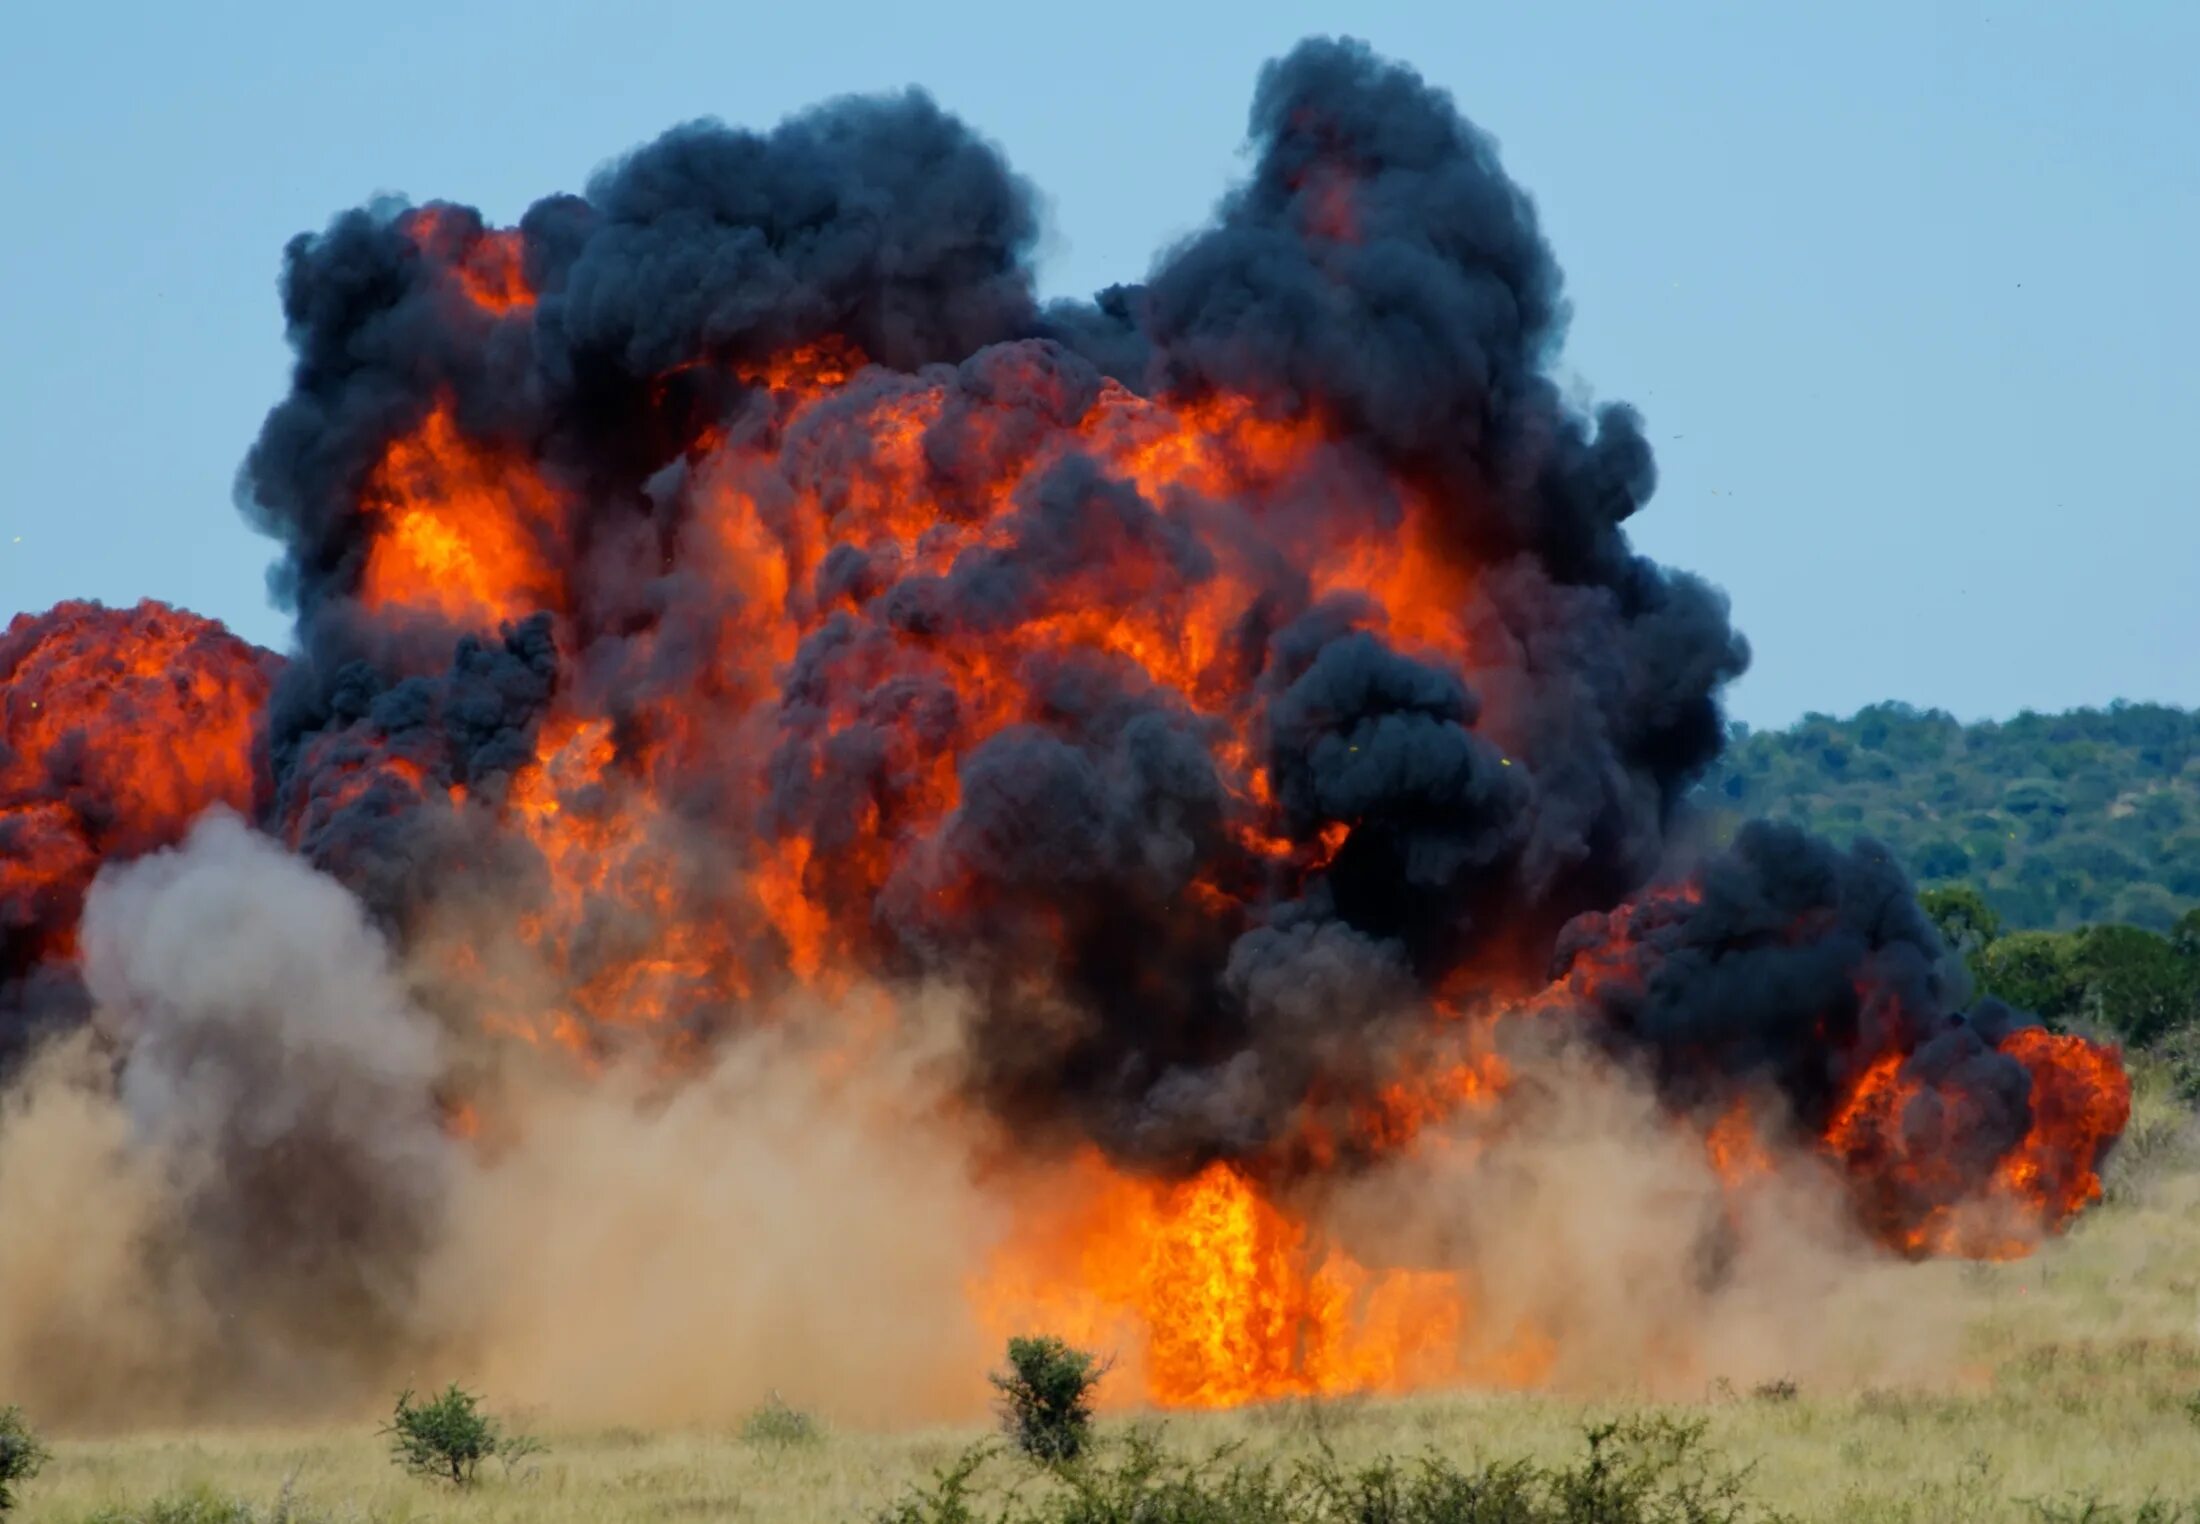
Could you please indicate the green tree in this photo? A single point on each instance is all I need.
(2033, 971)
(1939, 858)
(1046, 1397)
(21, 1455)
(2185, 935)
(2134, 982)
(2180, 865)
(447, 1436)
(2058, 820)
(1960, 913)
(779, 1423)
(2148, 905)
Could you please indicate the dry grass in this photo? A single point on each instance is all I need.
(2083, 1366)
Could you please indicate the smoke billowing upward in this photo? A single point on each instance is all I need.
(734, 616)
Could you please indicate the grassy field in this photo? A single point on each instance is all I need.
(2081, 1383)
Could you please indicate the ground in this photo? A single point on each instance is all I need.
(2081, 1382)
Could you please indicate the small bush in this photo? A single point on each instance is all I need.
(201, 1504)
(195, 1505)
(1782, 1390)
(447, 1436)
(951, 1497)
(1141, 1482)
(778, 1423)
(21, 1455)
(1046, 1397)
(2093, 1511)
(1645, 1471)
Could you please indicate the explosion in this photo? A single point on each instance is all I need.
(729, 604)
(119, 727)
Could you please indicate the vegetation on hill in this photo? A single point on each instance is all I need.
(2141, 987)
(2060, 820)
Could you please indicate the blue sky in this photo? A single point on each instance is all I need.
(1905, 290)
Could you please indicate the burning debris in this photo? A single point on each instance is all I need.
(731, 593)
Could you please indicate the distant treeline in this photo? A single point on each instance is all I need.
(2060, 854)
(2059, 820)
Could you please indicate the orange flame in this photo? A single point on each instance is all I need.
(1898, 1142)
(1233, 1298)
(470, 531)
(1737, 1152)
(117, 728)
(2081, 1102)
(462, 528)
(1233, 1292)
(488, 265)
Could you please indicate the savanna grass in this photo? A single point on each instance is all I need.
(2079, 1399)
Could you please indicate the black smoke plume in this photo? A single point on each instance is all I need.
(1192, 903)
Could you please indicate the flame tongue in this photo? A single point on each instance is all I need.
(2080, 1103)
(1230, 1297)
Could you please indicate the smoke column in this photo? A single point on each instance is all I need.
(1190, 787)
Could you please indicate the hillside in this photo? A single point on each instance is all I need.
(2060, 819)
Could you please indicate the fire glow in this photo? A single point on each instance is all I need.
(1239, 690)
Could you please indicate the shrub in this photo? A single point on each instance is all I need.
(2033, 971)
(1644, 1471)
(448, 1436)
(2135, 983)
(21, 1455)
(951, 1498)
(2084, 1510)
(1046, 1397)
(203, 1505)
(777, 1423)
(1966, 923)
(196, 1505)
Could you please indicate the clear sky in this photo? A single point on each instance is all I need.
(1906, 291)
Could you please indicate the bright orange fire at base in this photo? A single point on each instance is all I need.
(1218, 1294)
(1232, 1298)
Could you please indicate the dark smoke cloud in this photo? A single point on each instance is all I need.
(336, 726)
(1377, 267)
(1798, 964)
(1141, 976)
(838, 648)
(884, 221)
(1774, 964)
(380, 331)
(1380, 264)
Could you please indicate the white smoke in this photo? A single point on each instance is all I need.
(276, 1164)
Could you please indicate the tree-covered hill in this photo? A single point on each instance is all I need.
(2059, 819)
